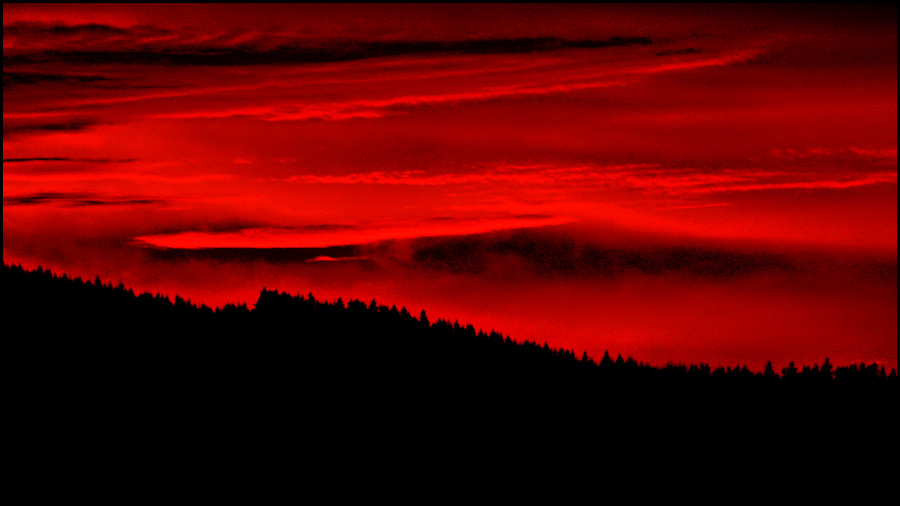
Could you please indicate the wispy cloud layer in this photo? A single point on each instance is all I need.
(564, 82)
(323, 116)
(264, 238)
(25, 42)
(649, 178)
(76, 200)
(668, 174)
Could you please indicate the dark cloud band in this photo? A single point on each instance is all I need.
(334, 52)
(74, 200)
(71, 126)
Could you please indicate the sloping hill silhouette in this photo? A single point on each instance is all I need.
(95, 330)
(99, 370)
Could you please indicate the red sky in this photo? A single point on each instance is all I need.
(685, 183)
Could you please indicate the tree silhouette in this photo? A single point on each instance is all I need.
(355, 350)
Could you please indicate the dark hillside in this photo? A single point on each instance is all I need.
(88, 351)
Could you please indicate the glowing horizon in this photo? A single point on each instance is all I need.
(709, 158)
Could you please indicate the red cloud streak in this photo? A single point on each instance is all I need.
(402, 152)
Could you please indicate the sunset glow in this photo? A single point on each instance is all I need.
(712, 183)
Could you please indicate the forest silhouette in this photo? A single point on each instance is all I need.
(96, 366)
(355, 346)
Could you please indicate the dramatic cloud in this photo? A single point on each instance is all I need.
(646, 177)
(26, 43)
(670, 179)
(74, 199)
(561, 255)
(26, 160)
(564, 82)
(275, 256)
(69, 126)
(11, 79)
(288, 238)
(73, 160)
